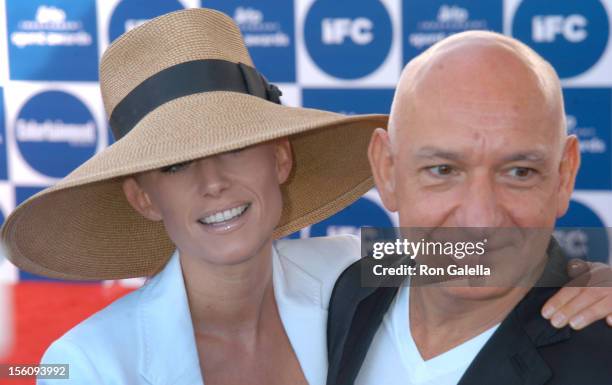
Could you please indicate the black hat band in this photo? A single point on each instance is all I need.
(184, 79)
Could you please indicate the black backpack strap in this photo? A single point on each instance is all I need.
(355, 313)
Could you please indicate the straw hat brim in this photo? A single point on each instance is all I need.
(83, 227)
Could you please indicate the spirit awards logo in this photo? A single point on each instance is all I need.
(588, 117)
(258, 32)
(51, 40)
(426, 23)
(50, 27)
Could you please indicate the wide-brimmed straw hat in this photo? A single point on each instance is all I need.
(181, 87)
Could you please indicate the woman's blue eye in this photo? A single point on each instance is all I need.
(175, 167)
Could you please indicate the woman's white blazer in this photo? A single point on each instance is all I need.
(147, 337)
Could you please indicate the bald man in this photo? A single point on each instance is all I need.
(476, 139)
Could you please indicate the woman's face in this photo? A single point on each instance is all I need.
(221, 208)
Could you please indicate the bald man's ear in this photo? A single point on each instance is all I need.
(570, 162)
(382, 165)
(139, 199)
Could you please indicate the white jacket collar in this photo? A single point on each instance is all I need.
(167, 341)
(168, 349)
(299, 300)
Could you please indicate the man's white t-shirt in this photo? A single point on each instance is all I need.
(393, 357)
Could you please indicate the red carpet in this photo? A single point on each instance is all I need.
(42, 312)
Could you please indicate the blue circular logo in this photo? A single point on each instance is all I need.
(55, 133)
(131, 13)
(348, 39)
(363, 212)
(571, 35)
(582, 234)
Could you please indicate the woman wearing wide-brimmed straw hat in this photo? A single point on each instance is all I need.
(208, 169)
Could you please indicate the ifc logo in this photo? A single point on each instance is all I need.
(571, 35)
(129, 14)
(348, 39)
(55, 133)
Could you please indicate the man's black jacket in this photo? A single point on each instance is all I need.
(525, 349)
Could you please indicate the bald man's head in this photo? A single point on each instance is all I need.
(480, 67)
(476, 138)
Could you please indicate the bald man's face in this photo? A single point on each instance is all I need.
(476, 144)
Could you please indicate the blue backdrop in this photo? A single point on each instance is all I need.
(340, 55)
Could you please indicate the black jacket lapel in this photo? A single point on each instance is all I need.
(355, 312)
(511, 357)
